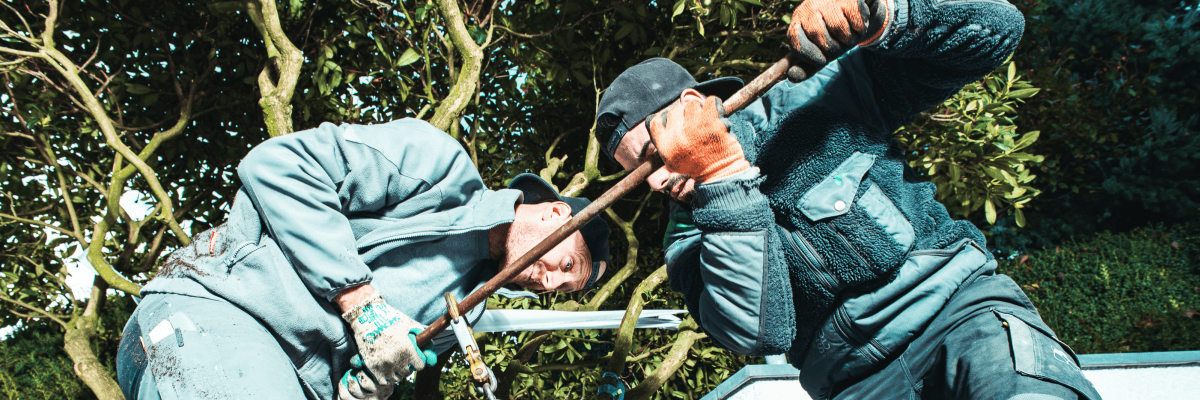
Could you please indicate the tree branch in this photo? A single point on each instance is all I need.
(276, 99)
(468, 76)
(32, 308)
(556, 29)
(628, 324)
(669, 366)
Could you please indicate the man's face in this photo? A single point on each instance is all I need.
(635, 147)
(566, 267)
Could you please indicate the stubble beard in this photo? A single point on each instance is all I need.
(522, 238)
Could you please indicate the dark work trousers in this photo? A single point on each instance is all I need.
(987, 343)
(183, 347)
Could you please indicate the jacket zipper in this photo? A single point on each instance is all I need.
(814, 265)
(853, 251)
(868, 348)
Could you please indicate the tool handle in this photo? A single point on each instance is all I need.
(735, 103)
(761, 83)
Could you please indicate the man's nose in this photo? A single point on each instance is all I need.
(658, 179)
(554, 280)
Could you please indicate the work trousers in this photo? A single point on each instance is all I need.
(988, 343)
(183, 347)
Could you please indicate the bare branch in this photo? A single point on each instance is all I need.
(556, 29)
(13, 62)
(51, 19)
(155, 125)
(17, 134)
(669, 366)
(735, 63)
(21, 53)
(27, 306)
(276, 99)
(23, 22)
(41, 224)
(467, 78)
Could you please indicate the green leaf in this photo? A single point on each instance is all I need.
(1027, 139)
(754, 2)
(149, 100)
(626, 29)
(1020, 216)
(386, 54)
(989, 210)
(1012, 71)
(410, 56)
(137, 89)
(1023, 93)
(678, 9)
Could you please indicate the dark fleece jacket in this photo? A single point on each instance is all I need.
(932, 49)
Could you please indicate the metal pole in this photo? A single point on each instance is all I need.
(735, 103)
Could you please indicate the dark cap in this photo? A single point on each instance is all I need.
(595, 232)
(644, 89)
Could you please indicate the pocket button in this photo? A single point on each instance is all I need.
(839, 205)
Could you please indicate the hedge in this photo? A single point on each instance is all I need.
(1132, 292)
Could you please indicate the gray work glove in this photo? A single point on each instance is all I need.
(387, 342)
(358, 384)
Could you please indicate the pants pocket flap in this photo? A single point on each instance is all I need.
(1038, 355)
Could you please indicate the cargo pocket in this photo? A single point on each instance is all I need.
(1036, 354)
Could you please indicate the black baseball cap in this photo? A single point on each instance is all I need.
(644, 89)
(595, 232)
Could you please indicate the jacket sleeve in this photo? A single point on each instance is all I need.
(730, 268)
(933, 48)
(930, 50)
(304, 186)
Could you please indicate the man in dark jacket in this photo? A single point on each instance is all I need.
(802, 229)
(336, 252)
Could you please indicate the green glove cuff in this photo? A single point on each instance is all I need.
(427, 355)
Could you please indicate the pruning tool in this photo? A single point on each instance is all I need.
(485, 380)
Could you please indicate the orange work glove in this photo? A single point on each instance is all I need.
(823, 30)
(693, 139)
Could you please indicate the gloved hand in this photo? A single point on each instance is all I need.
(823, 30)
(693, 139)
(358, 384)
(387, 341)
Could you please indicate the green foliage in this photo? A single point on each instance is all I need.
(969, 147)
(1111, 293)
(1116, 114)
(33, 364)
(1160, 171)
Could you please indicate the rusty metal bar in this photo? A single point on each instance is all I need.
(738, 101)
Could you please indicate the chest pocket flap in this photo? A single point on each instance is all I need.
(834, 195)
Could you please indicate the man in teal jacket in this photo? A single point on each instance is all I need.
(801, 229)
(337, 251)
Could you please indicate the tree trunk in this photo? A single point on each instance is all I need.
(77, 341)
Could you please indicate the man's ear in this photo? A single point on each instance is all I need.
(556, 211)
(690, 94)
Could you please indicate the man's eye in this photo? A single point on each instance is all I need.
(567, 268)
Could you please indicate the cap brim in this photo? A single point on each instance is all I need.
(721, 87)
(534, 189)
